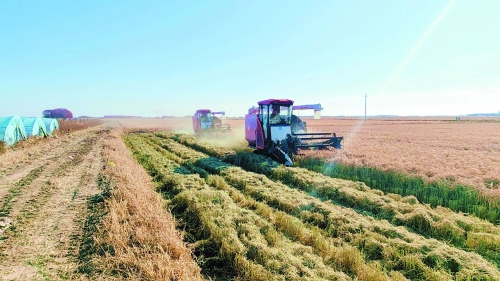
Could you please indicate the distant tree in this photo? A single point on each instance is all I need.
(57, 113)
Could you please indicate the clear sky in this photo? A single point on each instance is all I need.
(154, 58)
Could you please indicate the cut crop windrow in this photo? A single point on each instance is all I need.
(167, 173)
(180, 150)
(333, 251)
(439, 223)
(335, 219)
(347, 257)
(243, 247)
(237, 232)
(461, 231)
(366, 273)
(293, 177)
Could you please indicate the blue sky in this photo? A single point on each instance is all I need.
(154, 58)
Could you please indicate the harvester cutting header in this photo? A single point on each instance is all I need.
(206, 121)
(268, 129)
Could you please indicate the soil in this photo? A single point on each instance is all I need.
(44, 190)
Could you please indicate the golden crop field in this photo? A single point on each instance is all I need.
(465, 151)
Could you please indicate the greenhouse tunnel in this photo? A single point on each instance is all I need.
(34, 126)
(51, 124)
(12, 129)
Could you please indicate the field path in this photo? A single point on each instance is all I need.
(44, 190)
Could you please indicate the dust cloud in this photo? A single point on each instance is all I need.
(235, 139)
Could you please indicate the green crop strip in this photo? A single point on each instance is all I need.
(458, 198)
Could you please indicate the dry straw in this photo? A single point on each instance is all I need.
(145, 244)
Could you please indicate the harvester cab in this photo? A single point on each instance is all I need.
(208, 122)
(268, 129)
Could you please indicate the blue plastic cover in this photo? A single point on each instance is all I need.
(34, 126)
(12, 129)
(51, 124)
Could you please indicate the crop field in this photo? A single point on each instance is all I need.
(142, 199)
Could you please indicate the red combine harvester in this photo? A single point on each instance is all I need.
(268, 130)
(207, 122)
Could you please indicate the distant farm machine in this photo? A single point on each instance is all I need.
(207, 122)
(273, 130)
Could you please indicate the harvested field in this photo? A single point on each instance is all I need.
(77, 207)
(140, 199)
(44, 190)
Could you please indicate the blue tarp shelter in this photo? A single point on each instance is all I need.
(51, 124)
(12, 129)
(34, 126)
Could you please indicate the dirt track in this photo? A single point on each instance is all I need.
(44, 190)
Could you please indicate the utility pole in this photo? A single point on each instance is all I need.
(365, 107)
